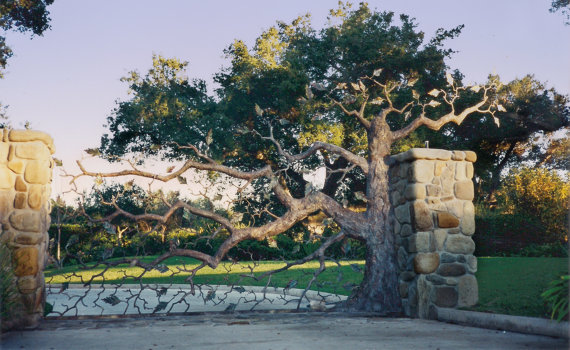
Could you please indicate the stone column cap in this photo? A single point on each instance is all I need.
(29, 135)
(433, 154)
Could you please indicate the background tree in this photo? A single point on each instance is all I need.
(341, 98)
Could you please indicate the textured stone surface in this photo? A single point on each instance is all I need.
(468, 220)
(6, 178)
(424, 289)
(16, 166)
(406, 230)
(20, 185)
(423, 220)
(25, 261)
(6, 200)
(458, 155)
(453, 269)
(421, 171)
(464, 190)
(433, 190)
(37, 172)
(468, 291)
(415, 191)
(4, 149)
(471, 263)
(26, 221)
(425, 242)
(447, 220)
(425, 263)
(470, 156)
(27, 284)
(469, 170)
(32, 150)
(439, 238)
(20, 200)
(35, 199)
(28, 238)
(459, 244)
(446, 296)
(31, 135)
(422, 153)
(402, 213)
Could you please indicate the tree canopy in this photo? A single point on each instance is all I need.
(343, 98)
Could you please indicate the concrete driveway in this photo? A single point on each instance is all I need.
(268, 330)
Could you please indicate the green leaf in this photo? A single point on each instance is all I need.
(181, 179)
(93, 152)
(112, 300)
(377, 72)
(161, 306)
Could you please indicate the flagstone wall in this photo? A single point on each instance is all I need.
(25, 185)
(432, 193)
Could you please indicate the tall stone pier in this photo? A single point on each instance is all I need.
(25, 185)
(432, 193)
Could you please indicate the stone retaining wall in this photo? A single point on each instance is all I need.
(25, 185)
(434, 218)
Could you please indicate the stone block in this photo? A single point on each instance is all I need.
(470, 156)
(4, 149)
(38, 172)
(6, 178)
(25, 261)
(30, 135)
(468, 219)
(469, 170)
(35, 196)
(402, 213)
(32, 150)
(471, 263)
(7, 236)
(445, 296)
(424, 242)
(28, 238)
(458, 155)
(27, 284)
(439, 237)
(6, 201)
(459, 244)
(421, 171)
(422, 153)
(16, 166)
(435, 279)
(424, 296)
(461, 171)
(20, 200)
(468, 291)
(452, 269)
(447, 220)
(464, 190)
(20, 185)
(447, 258)
(406, 230)
(415, 191)
(26, 221)
(396, 198)
(407, 275)
(455, 207)
(422, 215)
(403, 287)
(425, 263)
(433, 190)
(402, 258)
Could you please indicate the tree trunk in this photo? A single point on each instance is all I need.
(378, 291)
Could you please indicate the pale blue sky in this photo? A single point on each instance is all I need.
(66, 82)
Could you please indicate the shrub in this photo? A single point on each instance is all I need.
(556, 296)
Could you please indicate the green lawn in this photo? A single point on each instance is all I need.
(506, 285)
(335, 279)
(513, 285)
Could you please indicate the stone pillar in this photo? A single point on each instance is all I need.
(25, 186)
(432, 193)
